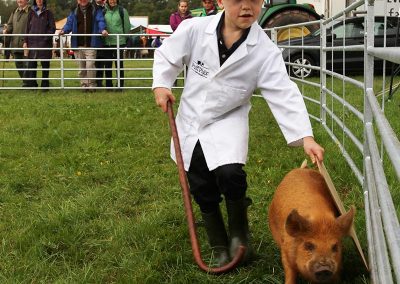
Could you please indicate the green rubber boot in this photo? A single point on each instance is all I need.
(239, 227)
(217, 236)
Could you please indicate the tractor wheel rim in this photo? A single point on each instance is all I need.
(285, 34)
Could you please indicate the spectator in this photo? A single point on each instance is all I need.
(86, 19)
(183, 13)
(100, 56)
(157, 42)
(17, 25)
(209, 7)
(40, 21)
(117, 21)
(176, 19)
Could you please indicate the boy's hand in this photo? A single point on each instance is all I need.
(313, 149)
(162, 96)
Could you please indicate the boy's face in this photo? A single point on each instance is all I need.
(241, 14)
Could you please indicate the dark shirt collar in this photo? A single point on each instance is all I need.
(224, 52)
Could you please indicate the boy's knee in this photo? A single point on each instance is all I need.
(231, 177)
(230, 171)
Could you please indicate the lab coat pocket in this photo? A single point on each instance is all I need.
(230, 98)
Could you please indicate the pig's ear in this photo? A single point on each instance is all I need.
(346, 220)
(296, 224)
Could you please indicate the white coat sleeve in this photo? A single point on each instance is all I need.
(171, 56)
(284, 99)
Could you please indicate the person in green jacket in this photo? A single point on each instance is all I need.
(117, 21)
(17, 25)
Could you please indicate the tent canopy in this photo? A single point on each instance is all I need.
(61, 23)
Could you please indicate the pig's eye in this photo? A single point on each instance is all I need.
(335, 248)
(309, 246)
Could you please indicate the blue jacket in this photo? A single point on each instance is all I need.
(99, 25)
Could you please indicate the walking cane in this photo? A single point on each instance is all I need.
(188, 207)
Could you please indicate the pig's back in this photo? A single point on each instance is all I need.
(304, 190)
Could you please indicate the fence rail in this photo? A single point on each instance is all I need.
(135, 61)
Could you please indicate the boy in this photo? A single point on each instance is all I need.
(228, 56)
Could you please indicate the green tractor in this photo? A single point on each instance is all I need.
(285, 12)
(277, 13)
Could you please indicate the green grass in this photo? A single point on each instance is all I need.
(88, 193)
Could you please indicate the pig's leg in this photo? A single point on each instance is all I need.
(290, 273)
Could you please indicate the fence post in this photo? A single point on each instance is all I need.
(322, 73)
(376, 272)
(274, 35)
(118, 63)
(61, 61)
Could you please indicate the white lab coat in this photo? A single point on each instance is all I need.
(215, 102)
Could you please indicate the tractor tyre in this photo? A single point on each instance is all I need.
(293, 16)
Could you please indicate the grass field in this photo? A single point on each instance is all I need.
(88, 193)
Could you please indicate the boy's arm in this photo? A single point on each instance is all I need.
(171, 56)
(287, 105)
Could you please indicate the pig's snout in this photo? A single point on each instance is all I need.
(324, 271)
(324, 274)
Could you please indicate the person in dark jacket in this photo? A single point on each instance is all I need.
(86, 19)
(183, 13)
(40, 21)
(17, 25)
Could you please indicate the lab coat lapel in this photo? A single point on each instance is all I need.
(210, 38)
(243, 49)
